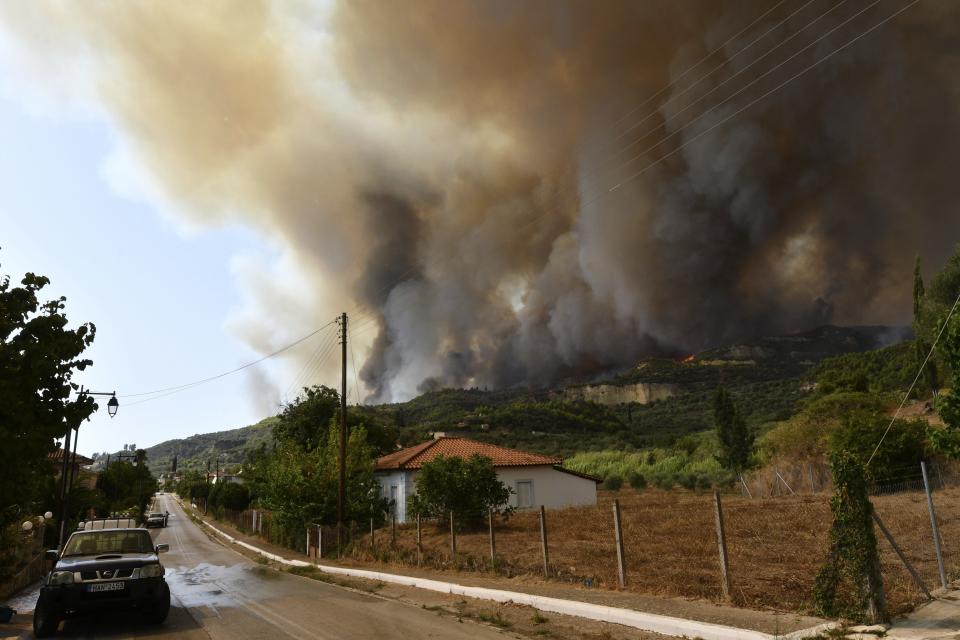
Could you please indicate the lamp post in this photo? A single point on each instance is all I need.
(67, 481)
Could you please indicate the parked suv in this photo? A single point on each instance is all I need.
(102, 570)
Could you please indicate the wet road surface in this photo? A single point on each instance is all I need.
(217, 593)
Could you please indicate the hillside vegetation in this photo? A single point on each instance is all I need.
(769, 380)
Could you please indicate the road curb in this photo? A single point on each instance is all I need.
(656, 623)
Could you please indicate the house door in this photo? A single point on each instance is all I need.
(524, 494)
(394, 493)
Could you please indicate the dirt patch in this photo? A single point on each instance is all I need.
(776, 547)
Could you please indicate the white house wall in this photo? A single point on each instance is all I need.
(403, 480)
(551, 488)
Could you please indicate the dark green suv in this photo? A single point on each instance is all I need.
(104, 569)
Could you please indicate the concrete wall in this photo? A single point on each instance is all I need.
(551, 488)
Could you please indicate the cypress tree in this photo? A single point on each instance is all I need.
(736, 440)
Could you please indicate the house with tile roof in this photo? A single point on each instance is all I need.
(535, 479)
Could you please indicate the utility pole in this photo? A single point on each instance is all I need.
(342, 490)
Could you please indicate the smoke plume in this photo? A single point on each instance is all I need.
(511, 193)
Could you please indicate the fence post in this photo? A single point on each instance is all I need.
(903, 558)
(543, 542)
(813, 485)
(493, 539)
(618, 536)
(453, 537)
(722, 545)
(933, 525)
(371, 532)
(393, 517)
(419, 542)
(319, 542)
(308, 541)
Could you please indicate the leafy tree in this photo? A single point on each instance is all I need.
(468, 487)
(229, 495)
(947, 440)
(736, 440)
(38, 358)
(904, 446)
(301, 486)
(126, 485)
(918, 290)
(921, 344)
(303, 422)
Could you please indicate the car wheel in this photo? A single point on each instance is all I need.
(45, 619)
(160, 610)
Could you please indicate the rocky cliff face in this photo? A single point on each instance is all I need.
(641, 392)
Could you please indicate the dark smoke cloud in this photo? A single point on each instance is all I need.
(452, 162)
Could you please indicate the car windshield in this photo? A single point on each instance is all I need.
(98, 543)
(156, 515)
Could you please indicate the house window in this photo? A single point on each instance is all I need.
(524, 494)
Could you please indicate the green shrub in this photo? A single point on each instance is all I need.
(613, 483)
(636, 479)
(664, 481)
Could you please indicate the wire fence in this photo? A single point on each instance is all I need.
(775, 545)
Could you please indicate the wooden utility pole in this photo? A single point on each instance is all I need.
(342, 489)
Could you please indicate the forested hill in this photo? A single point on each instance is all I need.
(193, 452)
(767, 377)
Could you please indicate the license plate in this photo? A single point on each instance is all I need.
(105, 586)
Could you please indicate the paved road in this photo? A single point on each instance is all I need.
(218, 593)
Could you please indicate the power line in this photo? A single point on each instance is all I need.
(718, 67)
(320, 360)
(753, 102)
(746, 68)
(699, 62)
(686, 126)
(294, 383)
(188, 385)
(356, 379)
(915, 379)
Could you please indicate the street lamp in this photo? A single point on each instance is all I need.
(67, 482)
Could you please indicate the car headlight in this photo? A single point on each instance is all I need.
(151, 571)
(61, 577)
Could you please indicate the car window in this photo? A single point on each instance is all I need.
(97, 543)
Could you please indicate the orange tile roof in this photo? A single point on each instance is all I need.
(414, 457)
(57, 456)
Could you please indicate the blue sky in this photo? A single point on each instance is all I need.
(160, 296)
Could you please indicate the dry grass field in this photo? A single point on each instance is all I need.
(776, 545)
